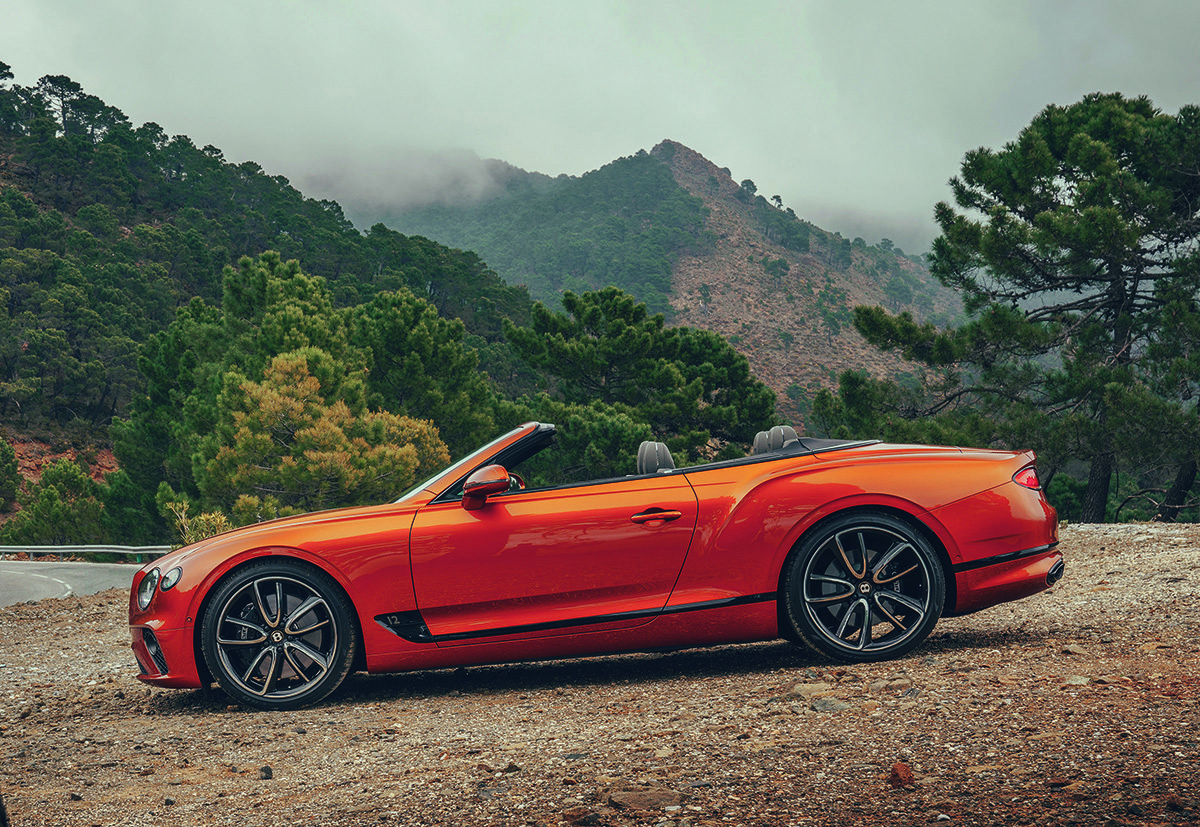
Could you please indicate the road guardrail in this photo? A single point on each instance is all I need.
(139, 553)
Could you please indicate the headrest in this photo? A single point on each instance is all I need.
(653, 457)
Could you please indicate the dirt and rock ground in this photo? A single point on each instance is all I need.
(1075, 706)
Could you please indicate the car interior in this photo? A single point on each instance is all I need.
(533, 467)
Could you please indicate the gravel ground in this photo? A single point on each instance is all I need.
(1075, 706)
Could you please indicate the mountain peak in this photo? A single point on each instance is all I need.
(687, 161)
(679, 233)
(781, 289)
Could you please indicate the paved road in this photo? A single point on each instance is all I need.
(24, 580)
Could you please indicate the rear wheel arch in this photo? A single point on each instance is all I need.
(917, 525)
(868, 513)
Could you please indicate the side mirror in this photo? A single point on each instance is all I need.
(488, 480)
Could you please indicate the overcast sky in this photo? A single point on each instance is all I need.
(856, 112)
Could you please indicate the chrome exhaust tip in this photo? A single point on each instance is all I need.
(1056, 572)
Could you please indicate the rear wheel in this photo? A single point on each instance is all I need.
(279, 635)
(864, 587)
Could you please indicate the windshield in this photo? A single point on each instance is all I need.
(460, 466)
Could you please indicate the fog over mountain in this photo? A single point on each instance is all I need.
(409, 179)
(856, 114)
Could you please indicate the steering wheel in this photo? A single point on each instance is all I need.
(515, 483)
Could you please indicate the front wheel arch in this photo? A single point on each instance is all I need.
(206, 605)
(206, 677)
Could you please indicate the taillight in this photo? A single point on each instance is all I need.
(1028, 477)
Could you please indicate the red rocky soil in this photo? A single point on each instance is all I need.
(1075, 706)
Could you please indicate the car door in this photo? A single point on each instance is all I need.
(538, 561)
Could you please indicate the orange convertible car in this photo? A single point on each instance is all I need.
(852, 548)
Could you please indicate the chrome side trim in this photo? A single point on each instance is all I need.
(1004, 558)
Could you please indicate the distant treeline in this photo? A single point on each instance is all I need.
(624, 225)
(248, 353)
(107, 228)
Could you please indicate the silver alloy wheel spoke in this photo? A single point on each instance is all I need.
(830, 598)
(256, 663)
(887, 558)
(269, 650)
(904, 600)
(862, 548)
(262, 606)
(292, 662)
(245, 624)
(899, 624)
(310, 653)
(852, 612)
(866, 588)
(300, 611)
(272, 673)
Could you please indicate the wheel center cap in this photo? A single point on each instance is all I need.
(277, 637)
(864, 588)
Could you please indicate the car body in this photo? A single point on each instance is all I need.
(853, 548)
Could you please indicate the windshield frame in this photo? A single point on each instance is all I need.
(454, 471)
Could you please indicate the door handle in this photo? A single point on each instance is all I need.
(651, 515)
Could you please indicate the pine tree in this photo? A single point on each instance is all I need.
(1071, 246)
(302, 439)
(690, 386)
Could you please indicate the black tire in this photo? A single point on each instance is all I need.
(864, 565)
(271, 659)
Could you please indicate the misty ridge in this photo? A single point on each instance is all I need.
(392, 182)
(412, 179)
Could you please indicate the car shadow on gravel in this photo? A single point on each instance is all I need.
(946, 643)
(650, 667)
(763, 659)
(538, 676)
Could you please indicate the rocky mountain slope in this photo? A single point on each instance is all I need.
(794, 328)
(684, 236)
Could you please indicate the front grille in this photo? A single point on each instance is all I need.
(156, 652)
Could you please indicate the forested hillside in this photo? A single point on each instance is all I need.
(248, 353)
(106, 228)
(625, 224)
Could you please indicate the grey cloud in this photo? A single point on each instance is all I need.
(856, 113)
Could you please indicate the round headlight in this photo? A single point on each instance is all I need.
(171, 578)
(146, 588)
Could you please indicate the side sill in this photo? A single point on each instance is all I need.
(411, 626)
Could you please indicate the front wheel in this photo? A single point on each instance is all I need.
(279, 635)
(863, 587)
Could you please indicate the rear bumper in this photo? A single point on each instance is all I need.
(984, 583)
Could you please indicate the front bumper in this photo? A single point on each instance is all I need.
(165, 657)
(162, 637)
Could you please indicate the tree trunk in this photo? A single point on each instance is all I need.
(1177, 494)
(1095, 499)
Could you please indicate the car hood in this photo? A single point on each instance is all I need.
(253, 535)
